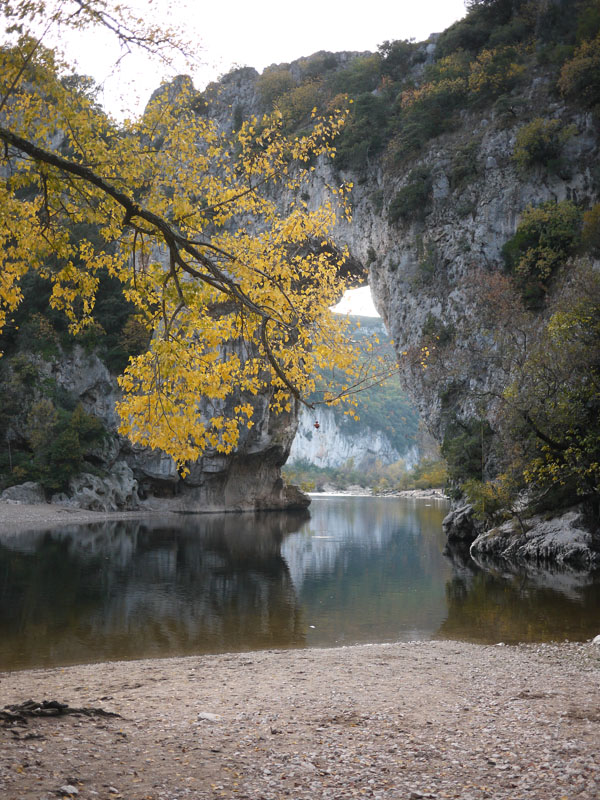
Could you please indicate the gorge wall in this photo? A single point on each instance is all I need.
(333, 445)
(473, 158)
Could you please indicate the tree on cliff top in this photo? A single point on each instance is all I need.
(233, 286)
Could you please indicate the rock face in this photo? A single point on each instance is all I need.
(332, 446)
(28, 492)
(116, 492)
(565, 541)
(459, 525)
(423, 272)
(130, 477)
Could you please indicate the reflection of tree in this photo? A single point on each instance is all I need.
(498, 605)
(120, 591)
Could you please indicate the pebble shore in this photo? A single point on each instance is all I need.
(393, 722)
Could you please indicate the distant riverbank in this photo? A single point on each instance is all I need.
(361, 491)
(18, 517)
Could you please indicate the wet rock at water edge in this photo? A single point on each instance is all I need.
(459, 525)
(564, 540)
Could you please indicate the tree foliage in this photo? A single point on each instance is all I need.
(580, 76)
(540, 143)
(547, 235)
(232, 287)
(552, 405)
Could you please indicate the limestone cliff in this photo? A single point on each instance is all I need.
(332, 444)
(119, 476)
(450, 144)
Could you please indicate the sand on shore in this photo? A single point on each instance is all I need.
(395, 722)
(20, 517)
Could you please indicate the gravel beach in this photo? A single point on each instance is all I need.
(396, 722)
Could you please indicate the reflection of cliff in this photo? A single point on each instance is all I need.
(337, 525)
(504, 604)
(217, 584)
(315, 550)
(369, 569)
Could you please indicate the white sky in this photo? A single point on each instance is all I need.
(256, 34)
(357, 301)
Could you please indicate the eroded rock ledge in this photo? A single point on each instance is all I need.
(565, 541)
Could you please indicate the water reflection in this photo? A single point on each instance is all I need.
(370, 569)
(497, 602)
(356, 570)
(123, 590)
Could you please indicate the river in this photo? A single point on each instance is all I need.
(356, 570)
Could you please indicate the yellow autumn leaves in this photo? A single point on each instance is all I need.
(214, 237)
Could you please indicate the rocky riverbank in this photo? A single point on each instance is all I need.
(399, 721)
(564, 541)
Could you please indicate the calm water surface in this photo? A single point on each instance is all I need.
(358, 570)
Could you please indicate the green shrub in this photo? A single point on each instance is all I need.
(590, 234)
(541, 142)
(465, 447)
(317, 65)
(588, 21)
(413, 200)
(397, 57)
(297, 104)
(545, 238)
(274, 82)
(469, 34)
(495, 72)
(360, 76)
(491, 500)
(365, 134)
(580, 76)
(426, 113)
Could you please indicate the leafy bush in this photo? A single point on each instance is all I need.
(427, 474)
(495, 72)
(426, 113)
(491, 500)
(580, 76)
(365, 134)
(469, 34)
(588, 21)
(56, 447)
(465, 447)
(361, 75)
(317, 65)
(297, 104)
(397, 57)
(544, 240)
(413, 200)
(541, 142)
(590, 234)
(274, 82)
(552, 408)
